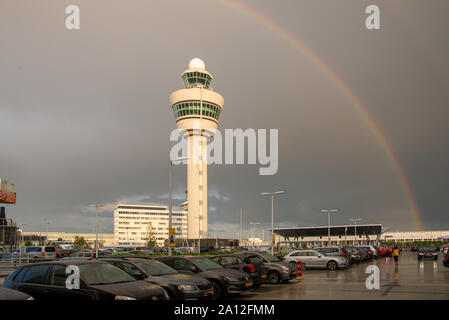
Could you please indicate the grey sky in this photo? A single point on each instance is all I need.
(85, 115)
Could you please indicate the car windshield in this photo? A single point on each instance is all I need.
(431, 249)
(269, 257)
(206, 264)
(102, 273)
(156, 268)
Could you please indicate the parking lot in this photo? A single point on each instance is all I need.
(410, 279)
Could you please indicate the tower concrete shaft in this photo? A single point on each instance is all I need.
(197, 109)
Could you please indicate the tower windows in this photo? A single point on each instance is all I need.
(192, 79)
(193, 108)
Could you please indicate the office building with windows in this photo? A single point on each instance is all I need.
(136, 225)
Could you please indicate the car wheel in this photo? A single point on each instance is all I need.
(274, 277)
(332, 265)
(218, 290)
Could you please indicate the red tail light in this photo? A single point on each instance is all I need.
(251, 268)
(364, 252)
(358, 253)
(370, 252)
(343, 254)
(43, 253)
(93, 255)
(283, 259)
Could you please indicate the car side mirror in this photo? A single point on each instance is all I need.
(320, 256)
(194, 269)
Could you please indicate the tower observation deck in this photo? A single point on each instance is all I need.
(197, 110)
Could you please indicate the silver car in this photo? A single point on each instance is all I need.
(314, 259)
(38, 253)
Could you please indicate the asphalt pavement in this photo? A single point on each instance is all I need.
(410, 279)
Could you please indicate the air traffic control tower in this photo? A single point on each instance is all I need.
(197, 110)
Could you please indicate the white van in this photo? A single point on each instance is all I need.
(37, 253)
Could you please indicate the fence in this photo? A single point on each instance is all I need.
(8, 263)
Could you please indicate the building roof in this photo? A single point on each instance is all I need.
(138, 206)
(369, 229)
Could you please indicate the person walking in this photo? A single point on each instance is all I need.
(396, 253)
(388, 255)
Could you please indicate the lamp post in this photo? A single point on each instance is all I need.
(96, 206)
(254, 232)
(355, 227)
(329, 211)
(272, 194)
(47, 222)
(241, 225)
(21, 243)
(170, 200)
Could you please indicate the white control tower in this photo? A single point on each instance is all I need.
(197, 110)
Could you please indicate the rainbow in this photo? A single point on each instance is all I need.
(299, 45)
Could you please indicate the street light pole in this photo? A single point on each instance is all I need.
(170, 201)
(272, 194)
(21, 243)
(241, 230)
(47, 222)
(329, 223)
(254, 232)
(96, 226)
(355, 227)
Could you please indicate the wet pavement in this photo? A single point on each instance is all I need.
(410, 279)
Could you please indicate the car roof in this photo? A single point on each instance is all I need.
(65, 262)
(247, 253)
(125, 258)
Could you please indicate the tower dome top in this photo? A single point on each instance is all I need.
(198, 64)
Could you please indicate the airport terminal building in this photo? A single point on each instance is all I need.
(135, 225)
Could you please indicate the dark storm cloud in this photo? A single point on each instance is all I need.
(85, 115)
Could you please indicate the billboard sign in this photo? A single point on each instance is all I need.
(7, 192)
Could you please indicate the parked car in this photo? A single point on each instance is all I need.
(99, 280)
(353, 254)
(446, 260)
(255, 268)
(445, 249)
(38, 253)
(372, 252)
(178, 286)
(184, 250)
(428, 253)
(88, 254)
(333, 251)
(10, 294)
(382, 251)
(364, 253)
(81, 255)
(276, 271)
(224, 281)
(267, 257)
(314, 259)
(62, 253)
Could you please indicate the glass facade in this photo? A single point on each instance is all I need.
(196, 78)
(193, 108)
